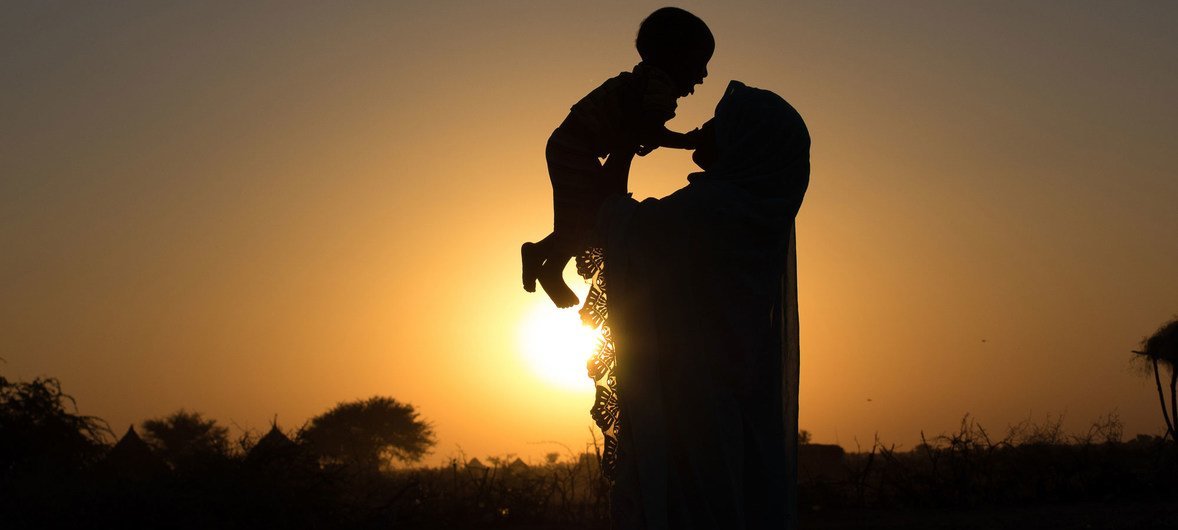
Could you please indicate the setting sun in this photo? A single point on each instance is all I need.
(556, 346)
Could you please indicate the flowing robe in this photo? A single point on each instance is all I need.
(702, 314)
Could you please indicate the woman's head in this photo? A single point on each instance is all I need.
(756, 140)
(679, 43)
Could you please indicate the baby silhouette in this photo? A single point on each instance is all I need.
(626, 115)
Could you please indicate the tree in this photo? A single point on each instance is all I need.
(1161, 348)
(41, 431)
(184, 438)
(369, 434)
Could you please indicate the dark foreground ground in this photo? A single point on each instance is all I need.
(1089, 516)
(1032, 478)
(1095, 516)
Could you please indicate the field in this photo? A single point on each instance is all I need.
(1033, 477)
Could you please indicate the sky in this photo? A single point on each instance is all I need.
(258, 210)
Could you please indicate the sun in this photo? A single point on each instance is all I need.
(556, 346)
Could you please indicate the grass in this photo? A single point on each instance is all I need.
(1033, 475)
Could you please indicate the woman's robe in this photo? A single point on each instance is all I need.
(698, 392)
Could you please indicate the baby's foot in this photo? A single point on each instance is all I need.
(532, 260)
(552, 281)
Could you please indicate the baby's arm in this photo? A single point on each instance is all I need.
(676, 140)
(617, 170)
(668, 138)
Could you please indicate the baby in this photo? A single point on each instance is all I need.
(624, 116)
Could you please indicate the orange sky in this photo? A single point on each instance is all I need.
(267, 208)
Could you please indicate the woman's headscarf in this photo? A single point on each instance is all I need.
(764, 150)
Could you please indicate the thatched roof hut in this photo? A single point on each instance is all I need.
(274, 448)
(475, 464)
(131, 457)
(517, 465)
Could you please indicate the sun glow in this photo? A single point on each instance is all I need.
(556, 346)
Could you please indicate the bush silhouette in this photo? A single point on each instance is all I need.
(368, 434)
(185, 438)
(41, 431)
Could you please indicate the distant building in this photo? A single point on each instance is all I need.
(475, 464)
(132, 458)
(821, 462)
(275, 449)
(517, 465)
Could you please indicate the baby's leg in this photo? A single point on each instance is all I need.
(532, 255)
(575, 174)
(552, 279)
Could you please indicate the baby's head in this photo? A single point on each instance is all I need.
(679, 43)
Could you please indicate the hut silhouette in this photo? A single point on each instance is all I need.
(475, 463)
(517, 466)
(277, 449)
(821, 462)
(132, 458)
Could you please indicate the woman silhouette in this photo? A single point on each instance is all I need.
(697, 379)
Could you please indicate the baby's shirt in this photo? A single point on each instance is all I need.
(623, 109)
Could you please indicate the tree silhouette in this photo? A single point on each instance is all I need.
(1161, 348)
(184, 438)
(369, 434)
(40, 434)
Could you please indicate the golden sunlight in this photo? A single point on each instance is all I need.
(556, 345)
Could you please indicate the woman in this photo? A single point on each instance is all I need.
(699, 403)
